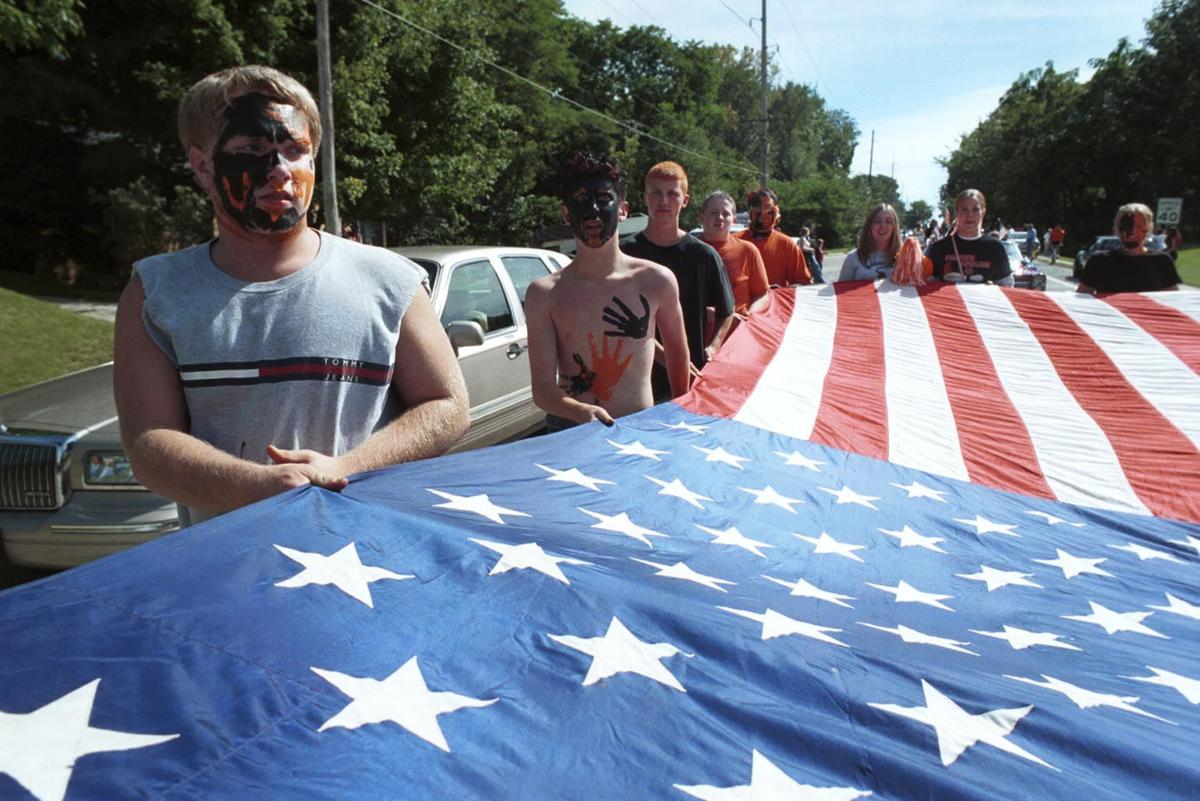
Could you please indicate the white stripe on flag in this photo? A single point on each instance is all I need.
(1075, 456)
(1185, 300)
(788, 393)
(1157, 373)
(921, 430)
(211, 375)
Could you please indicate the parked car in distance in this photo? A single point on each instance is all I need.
(68, 494)
(1026, 274)
(1098, 244)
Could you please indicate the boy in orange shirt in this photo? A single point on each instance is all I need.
(743, 262)
(781, 255)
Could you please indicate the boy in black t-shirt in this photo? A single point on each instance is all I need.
(696, 266)
(1132, 268)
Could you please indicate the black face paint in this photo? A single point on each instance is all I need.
(1126, 228)
(596, 201)
(240, 176)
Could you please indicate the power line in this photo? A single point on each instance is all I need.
(554, 93)
(811, 60)
(744, 20)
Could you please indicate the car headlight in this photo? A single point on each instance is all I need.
(108, 468)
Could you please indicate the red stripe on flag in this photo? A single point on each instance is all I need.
(1177, 332)
(1160, 463)
(853, 412)
(994, 441)
(729, 378)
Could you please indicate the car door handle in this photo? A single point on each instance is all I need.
(515, 350)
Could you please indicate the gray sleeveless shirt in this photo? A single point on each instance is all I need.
(305, 361)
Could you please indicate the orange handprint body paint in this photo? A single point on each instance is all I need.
(608, 368)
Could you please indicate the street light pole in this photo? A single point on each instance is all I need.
(762, 173)
(333, 223)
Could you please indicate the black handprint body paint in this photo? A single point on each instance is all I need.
(627, 323)
(580, 383)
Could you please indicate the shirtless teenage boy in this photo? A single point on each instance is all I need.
(591, 326)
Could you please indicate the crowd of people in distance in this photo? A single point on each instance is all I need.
(341, 342)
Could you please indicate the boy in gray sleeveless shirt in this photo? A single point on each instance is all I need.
(274, 356)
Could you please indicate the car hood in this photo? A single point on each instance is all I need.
(72, 404)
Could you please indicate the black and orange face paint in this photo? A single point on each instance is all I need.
(763, 217)
(262, 134)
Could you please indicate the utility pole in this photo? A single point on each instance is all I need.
(871, 160)
(762, 170)
(333, 223)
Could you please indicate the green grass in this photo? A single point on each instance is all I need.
(1188, 265)
(29, 284)
(38, 341)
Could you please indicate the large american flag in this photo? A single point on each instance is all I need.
(684, 605)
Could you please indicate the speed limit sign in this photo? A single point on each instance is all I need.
(1170, 211)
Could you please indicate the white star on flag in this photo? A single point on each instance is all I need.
(915, 637)
(341, 569)
(1178, 606)
(621, 524)
(913, 539)
(846, 495)
(636, 448)
(39, 749)
(827, 544)
(1190, 542)
(1052, 520)
(919, 490)
(680, 570)
(995, 579)
(798, 459)
(1143, 553)
(957, 730)
(478, 504)
(768, 495)
(1072, 565)
(769, 783)
(1112, 622)
(528, 556)
(575, 476)
(907, 594)
(402, 698)
(682, 426)
(1187, 687)
(731, 536)
(620, 651)
(676, 489)
(775, 625)
(1020, 639)
(984, 526)
(1088, 699)
(723, 456)
(803, 589)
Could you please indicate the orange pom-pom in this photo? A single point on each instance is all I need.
(911, 267)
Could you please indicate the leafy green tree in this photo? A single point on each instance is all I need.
(43, 25)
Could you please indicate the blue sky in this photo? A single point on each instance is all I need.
(921, 73)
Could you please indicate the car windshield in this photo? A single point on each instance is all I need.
(1106, 243)
(1014, 253)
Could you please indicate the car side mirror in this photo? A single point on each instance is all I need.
(464, 333)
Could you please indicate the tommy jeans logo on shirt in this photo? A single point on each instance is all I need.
(270, 371)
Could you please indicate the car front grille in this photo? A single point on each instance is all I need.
(29, 476)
